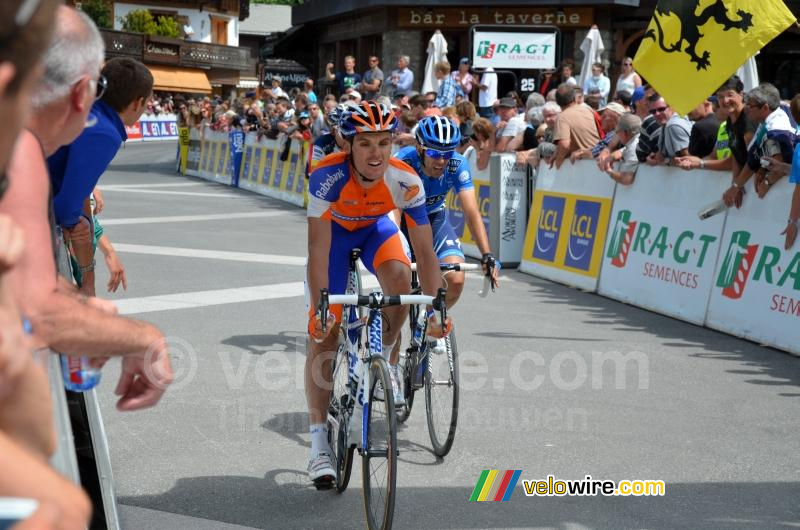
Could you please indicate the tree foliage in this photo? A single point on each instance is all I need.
(141, 21)
(99, 11)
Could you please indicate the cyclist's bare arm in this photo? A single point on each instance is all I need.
(319, 244)
(474, 220)
(476, 227)
(421, 240)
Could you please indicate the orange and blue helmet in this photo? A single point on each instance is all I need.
(367, 117)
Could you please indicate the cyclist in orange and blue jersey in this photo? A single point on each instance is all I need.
(349, 196)
(441, 170)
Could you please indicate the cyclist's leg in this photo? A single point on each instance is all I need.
(318, 364)
(448, 250)
(385, 255)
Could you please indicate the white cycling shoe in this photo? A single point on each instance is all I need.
(321, 471)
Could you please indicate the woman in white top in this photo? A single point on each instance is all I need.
(628, 80)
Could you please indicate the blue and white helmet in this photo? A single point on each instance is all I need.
(439, 133)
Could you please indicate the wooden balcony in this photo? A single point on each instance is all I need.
(176, 52)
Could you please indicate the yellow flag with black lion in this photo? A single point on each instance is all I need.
(692, 46)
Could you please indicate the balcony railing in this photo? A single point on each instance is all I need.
(151, 49)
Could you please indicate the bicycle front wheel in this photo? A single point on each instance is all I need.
(339, 412)
(379, 465)
(441, 396)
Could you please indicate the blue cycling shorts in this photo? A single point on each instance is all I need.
(445, 241)
(380, 242)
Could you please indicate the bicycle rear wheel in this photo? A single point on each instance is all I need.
(339, 412)
(441, 396)
(408, 364)
(379, 465)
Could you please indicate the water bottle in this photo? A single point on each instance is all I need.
(78, 373)
(712, 209)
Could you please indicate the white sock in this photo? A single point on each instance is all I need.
(387, 351)
(319, 438)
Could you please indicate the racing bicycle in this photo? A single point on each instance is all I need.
(436, 373)
(361, 413)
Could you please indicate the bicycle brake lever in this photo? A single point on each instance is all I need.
(440, 301)
(323, 309)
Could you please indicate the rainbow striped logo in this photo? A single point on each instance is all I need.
(494, 485)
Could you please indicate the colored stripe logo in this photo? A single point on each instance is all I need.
(494, 485)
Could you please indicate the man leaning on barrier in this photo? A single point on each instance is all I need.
(627, 134)
(27, 437)
(76, 168)
(62, 319)
(774, 140)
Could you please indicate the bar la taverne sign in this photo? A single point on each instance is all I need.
(456, 17)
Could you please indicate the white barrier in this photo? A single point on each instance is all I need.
(659, 254)
(508, 213)
(154, 128)
(567, 224)
(263, 172)
(505, 183)
(756, 292)
(215, 157)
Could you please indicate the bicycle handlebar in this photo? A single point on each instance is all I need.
(488, 282)
(378, 300)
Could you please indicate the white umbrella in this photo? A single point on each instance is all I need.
(437, 51)
(592, 48)
(748, 73)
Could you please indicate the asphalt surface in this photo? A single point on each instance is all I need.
(714, 417)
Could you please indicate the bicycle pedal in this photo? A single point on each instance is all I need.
(324, 483)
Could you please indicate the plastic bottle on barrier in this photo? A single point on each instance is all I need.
(78, 373)
(712, 209)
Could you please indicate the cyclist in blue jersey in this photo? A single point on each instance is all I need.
(441, 169)
(328, 143)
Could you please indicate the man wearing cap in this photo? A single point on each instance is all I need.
(650, 134)
(627, 134)
(609, 118)
(373, 79)
(576, 127)
(510, 123)
(704, 131)
(463, 77)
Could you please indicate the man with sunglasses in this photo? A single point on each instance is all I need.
(441, 169)
(124, 87)
(675, 132)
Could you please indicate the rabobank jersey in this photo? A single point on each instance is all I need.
(336, 195)
(456, 176)
(322, 147)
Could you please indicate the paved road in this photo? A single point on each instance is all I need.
(220, 271)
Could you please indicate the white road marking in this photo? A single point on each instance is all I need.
(250, 257)
(186, 193)
(236, 295)
(116, 187)
(190, 218)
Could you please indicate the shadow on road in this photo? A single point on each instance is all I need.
(284, 499)
(285, 341)
(772, 367)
